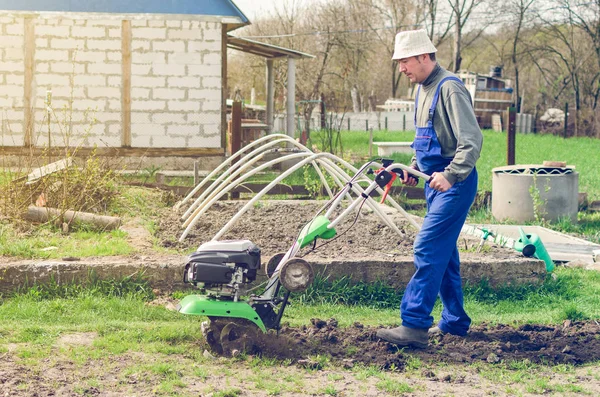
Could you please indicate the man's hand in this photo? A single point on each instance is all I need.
(407, 179)
(439, 183)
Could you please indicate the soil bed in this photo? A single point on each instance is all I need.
(568, 343)
(275, 225)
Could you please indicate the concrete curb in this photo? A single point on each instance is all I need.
(166, 272)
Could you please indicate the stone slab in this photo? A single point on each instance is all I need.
(166, 272)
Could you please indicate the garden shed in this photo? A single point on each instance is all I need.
(136, 79)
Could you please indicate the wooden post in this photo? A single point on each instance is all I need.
(510, 135)
(196, 173)
(404, 122)
(236, 134)
(386, 125)
(566, 120)
(371, 143)
(28, 101)
(126, 83)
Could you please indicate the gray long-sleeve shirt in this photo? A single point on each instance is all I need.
(454, 122)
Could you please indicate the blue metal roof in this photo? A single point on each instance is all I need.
(190, 7)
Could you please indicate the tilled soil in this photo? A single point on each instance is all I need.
(275, 225)
(568, 343)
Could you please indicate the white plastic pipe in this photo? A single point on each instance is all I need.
(285, 174)
(194, 219)
(218, 184)
(226, 163)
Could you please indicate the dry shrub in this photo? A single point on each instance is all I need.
(88, 185)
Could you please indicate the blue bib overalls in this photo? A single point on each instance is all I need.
(436, 256)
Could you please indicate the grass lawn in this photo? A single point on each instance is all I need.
(530, 149)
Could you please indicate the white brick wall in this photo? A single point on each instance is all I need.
(168, 67)
(12, 75)
(175, 81)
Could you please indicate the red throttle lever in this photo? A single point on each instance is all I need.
(388, 185)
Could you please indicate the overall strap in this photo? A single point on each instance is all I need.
(437, 95)
(417, 103)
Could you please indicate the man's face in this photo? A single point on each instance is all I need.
(413, 68)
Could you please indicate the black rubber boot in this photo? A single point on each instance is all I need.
(404, 336)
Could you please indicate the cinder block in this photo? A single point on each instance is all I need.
(51, 79)
(51, 55)
(14, 29)
(6, 103)
(149, 33)
(67, 43)
(140, 93)
(147, 105)
(141, 117)
(184, 106)
(114, 56)
(213, 58)
(139, 129)
(90, 56)
(210, 106)
(14, 54)
(103, 92)
(211, 82)
(141, 69)
(67, 92)
(205, 142)
(87, 80)
(88, 31)
(141, 141)
(139, 23)
(12, 91)
(104, 22)
(183, 130)
(168, 70)
(185, 58)
(140, 45)
(52, 31)
(202, 46)
(156, 23)
(104, 68)
(104, 117)
(107, 44)
(168, 118)
(148, 57)
(169, 46)
(90, 104)
(212, 31)
(213, 95)
(115, 32)
(6, 66)
(184, 34)
(114, 105)
(168, 93)
(115, 81)
(183, 81)
(173, 24)
(150, 82)
(205, 118)
(169, 141)
(67, 67)
(42, 42)
(204, 70)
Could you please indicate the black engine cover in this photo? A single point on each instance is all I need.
(214, 262)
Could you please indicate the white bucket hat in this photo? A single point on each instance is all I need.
(411, 43)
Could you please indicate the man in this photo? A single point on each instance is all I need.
(447, 145)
